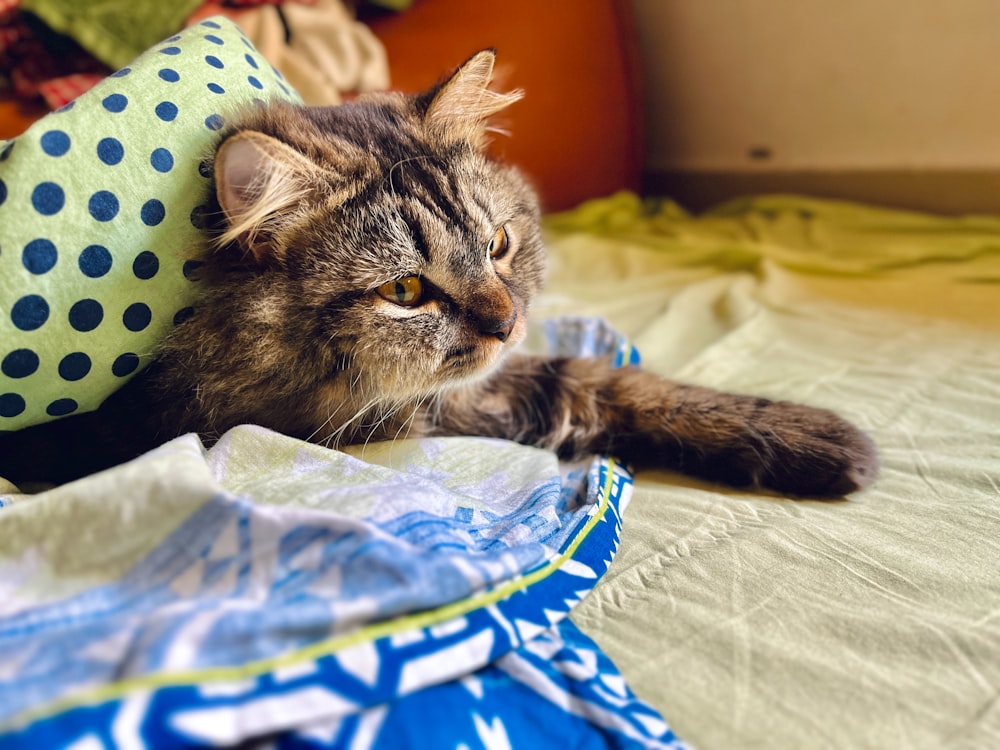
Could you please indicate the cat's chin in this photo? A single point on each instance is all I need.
(475, 362)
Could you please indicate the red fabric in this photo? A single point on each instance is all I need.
(60, 91)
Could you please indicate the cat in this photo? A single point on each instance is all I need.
(370, 277)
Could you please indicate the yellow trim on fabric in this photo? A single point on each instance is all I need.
(323, 648)
(626, 354)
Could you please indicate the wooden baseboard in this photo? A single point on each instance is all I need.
(938, 191)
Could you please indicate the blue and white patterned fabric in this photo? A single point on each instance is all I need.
(270, 591)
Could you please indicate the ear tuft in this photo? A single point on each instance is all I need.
(462, 105)
(259, 181)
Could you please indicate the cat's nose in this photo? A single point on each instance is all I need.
(499, 328)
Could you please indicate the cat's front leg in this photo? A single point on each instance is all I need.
(579, 406)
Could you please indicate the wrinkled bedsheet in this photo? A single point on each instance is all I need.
(753, 621)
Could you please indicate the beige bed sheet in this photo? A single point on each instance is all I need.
(755, 621)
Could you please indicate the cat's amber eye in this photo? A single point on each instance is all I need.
(499, 244)
(406, 291)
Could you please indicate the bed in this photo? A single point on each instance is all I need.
(459, 592)
(755, 621)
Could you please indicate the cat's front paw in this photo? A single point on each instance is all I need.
(802, 451)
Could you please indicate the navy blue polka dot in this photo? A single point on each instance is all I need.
(110, 151)
(214, 61)
(166, 111)
(3, 192)
(137, 316)
(115, 102)
(206, 168)
(145, 265)
(95, 261)
(55, 143)
(85, 315)
(103, 205)
(210, 24)
(61, 407)
(214, 122)
(255, 83)
(171, 50)
(182, 315)
(74, 366)
(169, 75)
(213, 39)
(7, 150)
(152, 212)
(190, 269)
(120, 73)
(39, 256)
(48, 198)
(216, 88)
(162, 160)
(67, 106)
(125, 364)
(253, 63)
(20, 363)
(199, 217)
(11, 404)
(30, 312)
(174, 38)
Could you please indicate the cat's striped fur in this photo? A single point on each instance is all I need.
(371, 273)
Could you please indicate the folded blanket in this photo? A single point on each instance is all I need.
(411, 593)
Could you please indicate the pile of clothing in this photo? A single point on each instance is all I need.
(54, 50)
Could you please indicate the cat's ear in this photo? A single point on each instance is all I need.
(460, 107)
(260, 181)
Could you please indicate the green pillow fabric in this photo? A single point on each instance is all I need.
(114, 31)
(100, 205)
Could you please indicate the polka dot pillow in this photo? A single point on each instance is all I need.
(100, 203)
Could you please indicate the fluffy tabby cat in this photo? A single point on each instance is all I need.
(370, 280)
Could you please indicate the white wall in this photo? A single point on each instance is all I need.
(821, 84)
